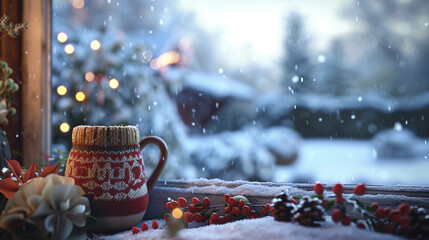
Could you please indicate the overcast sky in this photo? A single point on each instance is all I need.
(262, 23)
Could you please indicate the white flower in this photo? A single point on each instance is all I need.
(53, 204)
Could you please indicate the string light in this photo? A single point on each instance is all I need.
(61, 90)
(89, 76)
(78, 4)
(80, 96)
(62, 37)
(95, 45)
(113, 83)
(64, 127)
(69, 49)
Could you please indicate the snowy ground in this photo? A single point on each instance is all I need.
(349, 161)
(263, 228)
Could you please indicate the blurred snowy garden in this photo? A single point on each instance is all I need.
(295, 91)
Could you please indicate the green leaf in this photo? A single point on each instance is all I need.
(239, 197)
(297, 197)
(329, 205)
(319, 196)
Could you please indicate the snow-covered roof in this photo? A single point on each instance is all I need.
(218, 85)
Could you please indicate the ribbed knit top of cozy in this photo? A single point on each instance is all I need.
(103, 136)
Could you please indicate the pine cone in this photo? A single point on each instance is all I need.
(419, 224)
(281, 208)
(309, 213)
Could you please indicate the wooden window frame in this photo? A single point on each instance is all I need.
(29, 56)
(385, 195)
(36, 136)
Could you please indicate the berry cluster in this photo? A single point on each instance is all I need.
(144, 227)
(239, 207)
(404, 220)
(235, 208)
(196, 211)
(339, 213)
(411, 221)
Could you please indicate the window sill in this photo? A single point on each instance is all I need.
(263, 192)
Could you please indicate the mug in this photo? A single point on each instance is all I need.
(106, 161)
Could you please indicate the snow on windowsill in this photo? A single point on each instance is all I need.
(262, 228)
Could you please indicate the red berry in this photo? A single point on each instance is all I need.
(195, 200)
(206, 202)
(236, 212)
(359, 189)
(135, 230)
(404, 209)
(339, 199)
(192, 208)
(241, 203)
(318, 188)
(228, 218)
(387, 211)
(374, 206)
(346, 220)
(228, 210)
(198, 218)
(361, 225)
(268, 206)
(338, 189)
(336, 215)
(264, 211)
(167, 217)
(182, 202)
(226, 197)
(404, 222)
(232, 202)
(394, 216)
(188, 217)
(221, 220)
(154, 224)
(174, 204)
(144, 227)
(168, 206)
(380, 213)
(214, 218)
(246, 211)
(293, 201)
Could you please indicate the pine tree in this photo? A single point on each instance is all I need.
(297, 66)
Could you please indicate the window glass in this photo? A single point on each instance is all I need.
(295, 91)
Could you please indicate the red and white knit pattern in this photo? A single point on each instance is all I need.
(115, 178)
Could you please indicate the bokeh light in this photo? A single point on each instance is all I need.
(89, 76)
(64, 127)
(80, 96)
(61, 90)
(95, 45)
(147, 56)
(78, 4)
(113, 83)
(69, 49)
(184, 43)
(177, 213)
(62, 37)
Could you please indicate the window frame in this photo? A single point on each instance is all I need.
(36, 137)
(36, 57)
(385, 195)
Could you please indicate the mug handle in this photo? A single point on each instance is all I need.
(162, 158)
